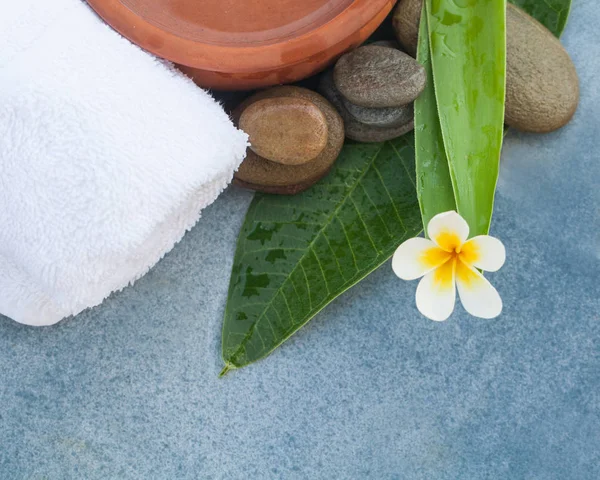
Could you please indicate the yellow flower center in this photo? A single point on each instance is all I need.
(451, 258)
(449, 241)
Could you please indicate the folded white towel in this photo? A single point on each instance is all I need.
(107, 157)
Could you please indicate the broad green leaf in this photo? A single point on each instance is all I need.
(468, 58)
(553, 14)
(434, 186)
(296, 254)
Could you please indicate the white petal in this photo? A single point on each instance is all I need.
(436, 293)
(485, 252)
(477, 295)
(417, 256)
(448, 230)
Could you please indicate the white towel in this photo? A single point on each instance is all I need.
(107, 157)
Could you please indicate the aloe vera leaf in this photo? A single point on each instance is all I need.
(434, 185)
(468, 57)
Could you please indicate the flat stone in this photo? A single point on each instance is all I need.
(356, 130)
(380, 117)
(290, 131)
(258, 173)
(374, 76)
(542, 88)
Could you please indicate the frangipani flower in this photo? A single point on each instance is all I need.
(449, 261)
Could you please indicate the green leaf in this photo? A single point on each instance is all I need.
(468, 58)
(553, 14)
(434, 186)
(296, 254)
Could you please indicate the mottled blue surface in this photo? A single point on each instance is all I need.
(370, 389)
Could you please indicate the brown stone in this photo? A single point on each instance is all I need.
(261, 174)
(542, 88)
(258, 168)
(290, 131)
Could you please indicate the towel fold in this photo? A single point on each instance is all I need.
(107, 157)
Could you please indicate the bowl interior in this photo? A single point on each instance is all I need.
(237, 22)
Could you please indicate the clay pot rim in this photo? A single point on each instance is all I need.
(231, 58)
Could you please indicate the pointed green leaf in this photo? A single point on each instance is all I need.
(434, 186)
(296, 254)
(553, 14)
(468, 57)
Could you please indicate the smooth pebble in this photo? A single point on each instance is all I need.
(406, 20)
(542, 88)
(376, 77)
(381, 117)
(258, 173)
(290, 131)
(356, 130)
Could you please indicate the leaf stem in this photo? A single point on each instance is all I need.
(226, 369)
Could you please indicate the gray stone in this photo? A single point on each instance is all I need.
(406, 24)
(374, 76)
(542, 88)
(356, 130)
(380, 117)
(386, 43)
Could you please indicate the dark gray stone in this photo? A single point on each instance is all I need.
(386, 43)
(374, 76)
(356, 130)
(380, 117)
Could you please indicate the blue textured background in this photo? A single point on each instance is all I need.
(370, 389)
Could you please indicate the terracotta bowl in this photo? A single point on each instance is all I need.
(245, 44)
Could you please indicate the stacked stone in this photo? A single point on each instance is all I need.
(295, 137)
(373, 89)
